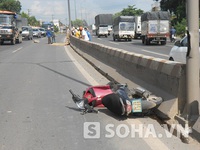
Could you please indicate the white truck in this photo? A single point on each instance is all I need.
(93, 28)
(155, 27)
(103, 23)
(138, 26)
(123, 28)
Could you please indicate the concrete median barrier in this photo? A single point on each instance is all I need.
(162, 77)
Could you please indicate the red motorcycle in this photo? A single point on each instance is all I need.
(118, 98)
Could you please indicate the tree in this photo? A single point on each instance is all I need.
(33, 22)
(56, 29)
(130, 11)
(10, 5)
(31, 19)
(176, 7)
(181, 27)
(77, 23)
(24, 15)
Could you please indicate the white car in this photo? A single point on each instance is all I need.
(37, 33)
(179, 51)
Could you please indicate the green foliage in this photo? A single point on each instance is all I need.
(77, 23)
(10, 5)
(24, 15)
(33, 22)
(31, 19)
(181, 27)
(55, 28)
(177, 9)
(130, 11)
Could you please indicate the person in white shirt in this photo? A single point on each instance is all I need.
(84, 35)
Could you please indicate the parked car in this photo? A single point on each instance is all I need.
(37, 33)
(27, 32)
(179, 50)
(43, 31)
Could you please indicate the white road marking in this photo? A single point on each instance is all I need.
(114, 43)
(153, 142)
(17, 50)
(155, 53)
(81, 69)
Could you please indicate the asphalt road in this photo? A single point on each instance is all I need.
(136, 46)
(37, 112)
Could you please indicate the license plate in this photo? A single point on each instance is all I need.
(136, 105)
(157, 38)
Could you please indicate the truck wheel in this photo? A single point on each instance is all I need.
(135, 37)
(171, 59)
(13, 41)
(163, 42)
(118, 38)
(113, 37)
(142, 40)
(146, 42)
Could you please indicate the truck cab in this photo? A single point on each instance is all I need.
(102, 30)
(10, 27)
(123, 28)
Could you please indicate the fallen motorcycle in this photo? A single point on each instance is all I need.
(117, 98)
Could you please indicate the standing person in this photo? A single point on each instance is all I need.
(172, 34)
(84, 35)
(88, 33)
(78, 33)
(68, 36)
(49, 35)
(53, 35)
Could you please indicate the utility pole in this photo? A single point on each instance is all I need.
(69, 14)
(28, 12)
(52, 17)
(75, 9)
(192, 61)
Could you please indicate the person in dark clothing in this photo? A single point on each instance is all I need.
(53, 36)
(172, 34)
(49, 35)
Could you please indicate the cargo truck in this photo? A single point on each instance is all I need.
(10, 27)
(103, 23)
(155, 27)
(137, 21)
(123, 28)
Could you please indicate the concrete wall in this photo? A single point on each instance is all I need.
(166, 78)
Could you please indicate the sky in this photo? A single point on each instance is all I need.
(47, 10)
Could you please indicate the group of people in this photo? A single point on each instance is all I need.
(82, 33)
(51, 35)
